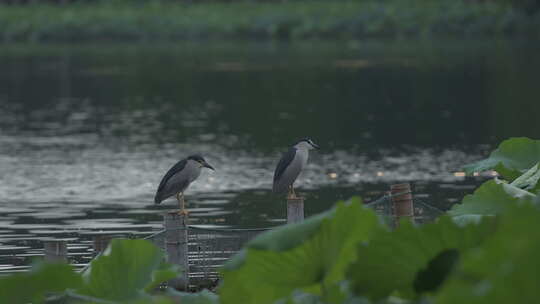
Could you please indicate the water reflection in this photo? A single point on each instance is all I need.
(254, 95)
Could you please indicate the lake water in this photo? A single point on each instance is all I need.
(87, 131)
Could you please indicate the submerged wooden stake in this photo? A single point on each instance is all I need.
(295, 210)
(55, 251)
(176, 245)
(402, 201)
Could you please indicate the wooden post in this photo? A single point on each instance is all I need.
(55, 251)
(295, 210)
(101, 241)
(176, 245)
(402, 201)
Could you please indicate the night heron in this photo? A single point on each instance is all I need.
(290, 165)
(178, 178)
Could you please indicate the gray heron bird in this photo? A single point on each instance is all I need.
(290, 165)
(178, 179)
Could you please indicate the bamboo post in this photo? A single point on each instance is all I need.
(101, 242)
(402, 201)
(176, 245)
(295, 210)
(55, 251)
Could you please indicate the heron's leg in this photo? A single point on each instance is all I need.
(289, 193)
(182, 202)
(183, 211)
(293, 193)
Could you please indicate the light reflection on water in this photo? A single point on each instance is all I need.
(74, 179)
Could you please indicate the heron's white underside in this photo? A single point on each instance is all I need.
(294, 169)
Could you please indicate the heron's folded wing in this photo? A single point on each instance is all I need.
(284, 162)
(179, 166)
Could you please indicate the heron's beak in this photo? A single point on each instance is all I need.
(316, 146)
(207, 165)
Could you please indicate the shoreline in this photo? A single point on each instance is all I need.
(289, 21)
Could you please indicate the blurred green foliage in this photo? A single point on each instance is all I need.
(126, 272)
(510, 159)
(504, 269)
(400, 260)
(165, 20)
(490, 199)
(315, 253)
(35, 284)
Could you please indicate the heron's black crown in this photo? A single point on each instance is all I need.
(197, 158)
(307, 140)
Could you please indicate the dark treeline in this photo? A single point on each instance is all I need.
(173, 20)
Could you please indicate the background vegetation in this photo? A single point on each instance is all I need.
(166, 20)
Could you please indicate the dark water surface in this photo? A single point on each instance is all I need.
(88, 131)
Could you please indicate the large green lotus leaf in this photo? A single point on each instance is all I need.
(513, 156)
(490, 199)
(412, 260)
(281, 239)
(32, 286)
(125, 269)
(290, 236)
(505, 268)
(267, 271)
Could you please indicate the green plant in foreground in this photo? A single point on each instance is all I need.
(410, 263)
(490, 199)
(126, 272)
(312, 255)
(510, 159)
(33, 285)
